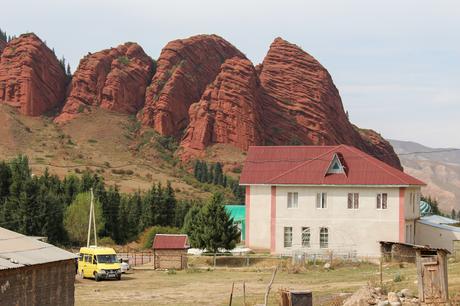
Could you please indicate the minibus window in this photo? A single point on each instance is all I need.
(112, 258)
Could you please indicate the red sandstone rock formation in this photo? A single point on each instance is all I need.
(184, 69)
(302, 99)
(379, 147)
(114, 79)
(31, 77)
(295, 103)
(303, 106)
(228, 111)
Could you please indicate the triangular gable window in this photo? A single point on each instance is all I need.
(336, 166)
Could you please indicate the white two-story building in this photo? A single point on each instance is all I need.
(320, 198)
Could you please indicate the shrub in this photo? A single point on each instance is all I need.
(106, 241)
(123, 60)
(398, 278)
(81, 108)
(146, 238)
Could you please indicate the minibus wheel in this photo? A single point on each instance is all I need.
(96, 277)
(119, 277)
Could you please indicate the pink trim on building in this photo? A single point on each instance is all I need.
(402, 219)
(273, 220)
(248, 210)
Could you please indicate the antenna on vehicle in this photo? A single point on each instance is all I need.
(92, 219)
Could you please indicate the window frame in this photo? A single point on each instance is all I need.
(322, 235)
(292, 196)
(381, 201)
(321, 200)
(285, 232)
(354, 203)
(306, 232)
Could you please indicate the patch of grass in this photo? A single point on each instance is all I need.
(39, 160)
(81, 108)
(123, 60)
(92, 140)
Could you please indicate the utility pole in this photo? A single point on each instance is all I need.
(92, 219)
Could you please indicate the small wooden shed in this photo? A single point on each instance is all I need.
(170, 251)
(432, 275)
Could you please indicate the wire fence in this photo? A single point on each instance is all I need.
(137, 258)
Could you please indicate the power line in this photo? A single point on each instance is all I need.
(353, 156)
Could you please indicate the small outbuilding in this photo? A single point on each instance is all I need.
(170, 251)
(238, 214)
(33, 272)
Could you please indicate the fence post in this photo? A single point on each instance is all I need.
(142, 258)
(247, 260)
(135, 258)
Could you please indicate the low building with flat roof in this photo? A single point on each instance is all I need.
(33, 272)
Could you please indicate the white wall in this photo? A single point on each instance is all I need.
(259, 217)
(349, 229)
(435, 237)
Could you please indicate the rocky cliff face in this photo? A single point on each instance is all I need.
(303, 106)
(289, 99)
(184, 69)
(31, 77)
(301, 98)
(379, 147)
(114, 79)
(229, 110)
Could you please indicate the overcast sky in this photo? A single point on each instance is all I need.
(395, 63)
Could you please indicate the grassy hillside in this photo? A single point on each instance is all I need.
(108, 143)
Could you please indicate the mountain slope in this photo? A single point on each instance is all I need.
(439, 168)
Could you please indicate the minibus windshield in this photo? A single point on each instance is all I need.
(107, 258)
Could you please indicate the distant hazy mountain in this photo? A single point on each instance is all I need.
(445, 155)
(439, 168)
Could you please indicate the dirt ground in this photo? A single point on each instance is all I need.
(212, 287)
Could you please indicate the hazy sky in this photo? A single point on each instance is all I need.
(395, 63)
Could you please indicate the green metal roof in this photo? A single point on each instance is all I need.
(237, 212)
(425, 208)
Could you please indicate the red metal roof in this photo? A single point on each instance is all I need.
(170, 241)
(307, 165)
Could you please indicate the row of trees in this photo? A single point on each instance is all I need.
(436, 211)
(5, 37)
(58, 209)
(213, 174)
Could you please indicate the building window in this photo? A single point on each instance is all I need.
(288, 237)
(382, 201)
(306, 237)
(292, 200)
(323, 237)
(353, 201)
(321, 200)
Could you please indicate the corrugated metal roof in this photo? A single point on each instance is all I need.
(170, 241)
(425, 208)
(17, 250)
(439, 219)
(415, 246)
(441, 226)
(307, 165)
